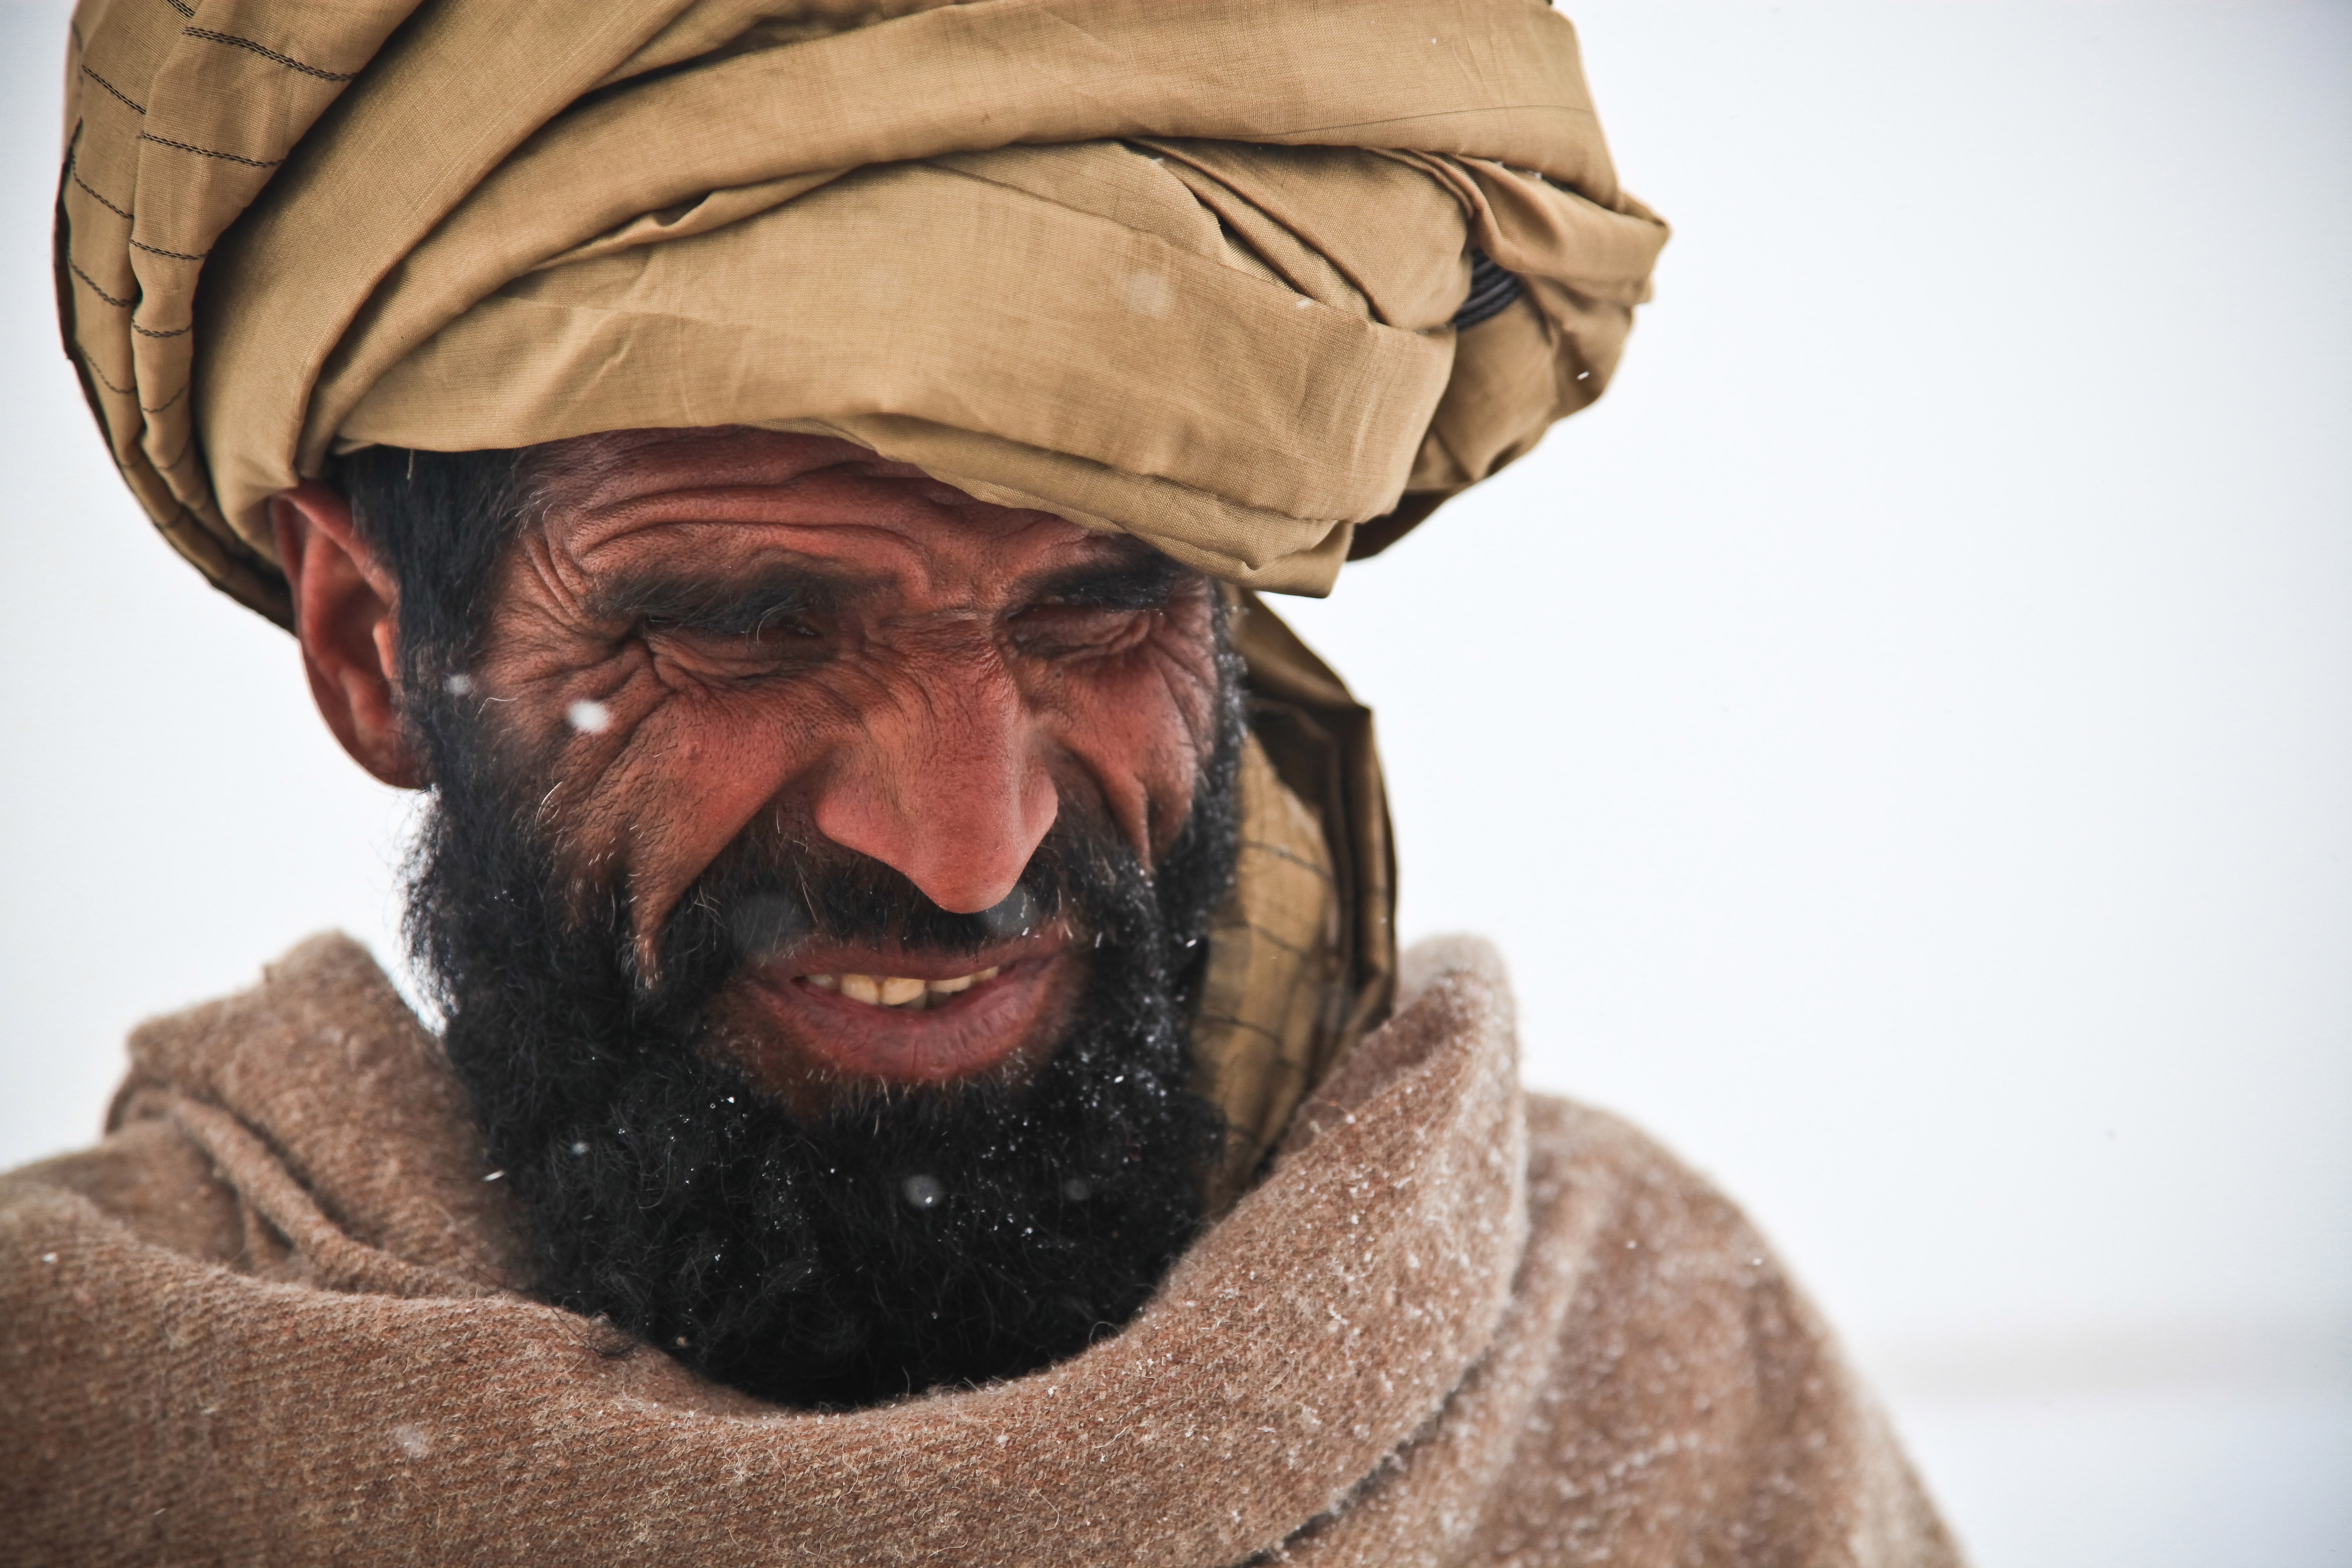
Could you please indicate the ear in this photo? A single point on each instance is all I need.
(346, 616)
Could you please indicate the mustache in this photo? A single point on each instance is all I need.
(778, 887)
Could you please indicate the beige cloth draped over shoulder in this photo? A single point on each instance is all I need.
(1184, 270)
(271, 1319)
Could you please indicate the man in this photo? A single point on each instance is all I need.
(924, 1071)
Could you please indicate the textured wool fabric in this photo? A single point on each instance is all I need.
(1187, 271)
(272, 1318)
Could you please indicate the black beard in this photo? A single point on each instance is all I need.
(911, 1238)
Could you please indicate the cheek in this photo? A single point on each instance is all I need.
(632, 763)
(694, 775)
(675, 773)
(1142, 727)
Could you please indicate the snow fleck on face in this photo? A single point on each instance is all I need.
(588, 717)
(411, 1441)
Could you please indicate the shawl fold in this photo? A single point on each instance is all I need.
(1189, 272)
(274, 1318)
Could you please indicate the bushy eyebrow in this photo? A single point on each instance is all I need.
(719, 606)
(1137, 579)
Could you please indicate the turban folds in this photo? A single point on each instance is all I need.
(1186, 270)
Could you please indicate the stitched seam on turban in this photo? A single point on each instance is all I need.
(289, 61)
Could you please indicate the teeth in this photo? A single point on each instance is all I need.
(898, 990)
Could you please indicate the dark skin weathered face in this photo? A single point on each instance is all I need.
(713, 624)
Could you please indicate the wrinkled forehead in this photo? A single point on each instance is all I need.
(613, 466)
(626, 509)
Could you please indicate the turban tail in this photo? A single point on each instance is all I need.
(1190, 271)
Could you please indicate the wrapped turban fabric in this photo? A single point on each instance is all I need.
(1252, 282)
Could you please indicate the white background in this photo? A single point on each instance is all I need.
(1902, 738)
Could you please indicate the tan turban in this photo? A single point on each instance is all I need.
(1188, 269)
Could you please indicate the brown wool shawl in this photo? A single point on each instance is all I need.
(271, 1319)
(1190, 271)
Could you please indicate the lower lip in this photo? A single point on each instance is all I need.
(951, 1038)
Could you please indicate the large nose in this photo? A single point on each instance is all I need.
(945, 784)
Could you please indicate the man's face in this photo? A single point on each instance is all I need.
(815, 886)
(711, 631)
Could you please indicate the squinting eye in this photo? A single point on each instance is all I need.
(775, 634)
(1052, 629)
(782, 638)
